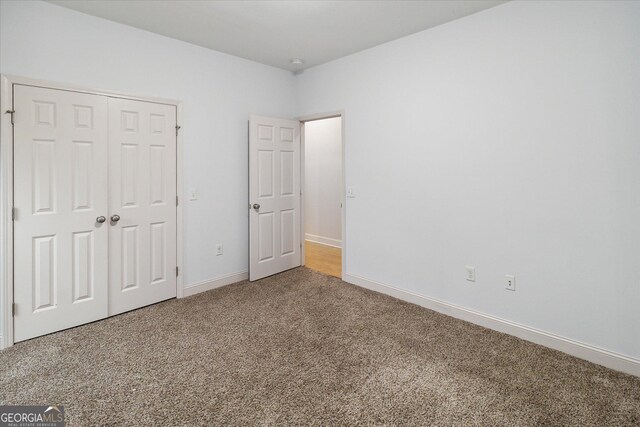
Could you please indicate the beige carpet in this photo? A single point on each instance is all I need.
(303, 348)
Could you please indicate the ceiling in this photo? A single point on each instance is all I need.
(274, 32)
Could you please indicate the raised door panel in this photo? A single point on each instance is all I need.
(158, 255)
(130, 259)
(265, 174)
(44, 273)
(129, 177)
(81, 185)
(83, 269)
(287, 232)
(157, 174)
(287, 177)
(266, 232)
(43, 170)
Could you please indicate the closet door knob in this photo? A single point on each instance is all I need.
(100, 219)
(115, 218)
(256, 206)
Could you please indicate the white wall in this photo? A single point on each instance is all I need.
(219, 91)
(323, 181)
(508, 140)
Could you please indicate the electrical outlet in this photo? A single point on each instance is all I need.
(219, 249)
(510, 282)
(471, 273)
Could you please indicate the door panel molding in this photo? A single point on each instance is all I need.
(83, 117)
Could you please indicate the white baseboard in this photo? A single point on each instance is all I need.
(207, 285)
(323, 240)
(584, 351)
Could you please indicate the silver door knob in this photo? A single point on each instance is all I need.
(256, 206)
(115, 218)
(100, 219)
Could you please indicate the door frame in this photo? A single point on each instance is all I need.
(312, 118)
(6, 188)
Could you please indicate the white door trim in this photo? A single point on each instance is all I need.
(6, 206)
(6, 188)
(310, 118)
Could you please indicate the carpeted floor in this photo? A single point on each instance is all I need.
(303, 348)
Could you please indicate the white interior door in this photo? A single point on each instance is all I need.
(274, 196)
(142, 183)
(60, 193)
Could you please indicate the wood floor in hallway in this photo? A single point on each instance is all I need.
(323, 258)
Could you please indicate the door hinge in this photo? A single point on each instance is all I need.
(177, 129)
(14, 309)
(13, 214)
(12, 112)
(176, 200)
(177, 271)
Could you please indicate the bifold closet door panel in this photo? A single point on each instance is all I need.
(60, 195)
(142, 182)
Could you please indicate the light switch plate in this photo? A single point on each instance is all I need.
(351, 192)
(193, 194)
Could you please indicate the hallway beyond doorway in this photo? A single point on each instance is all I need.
(323, 258)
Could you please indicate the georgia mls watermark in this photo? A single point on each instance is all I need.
(31, 416)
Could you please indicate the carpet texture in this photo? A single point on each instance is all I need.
(307, 349)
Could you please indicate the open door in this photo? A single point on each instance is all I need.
(274, 196)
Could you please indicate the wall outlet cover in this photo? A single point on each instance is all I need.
(510, 282)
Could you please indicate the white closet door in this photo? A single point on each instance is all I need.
(60, 173)
(274, 196)
(142, 192)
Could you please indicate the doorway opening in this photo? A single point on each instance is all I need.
(323, 195)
